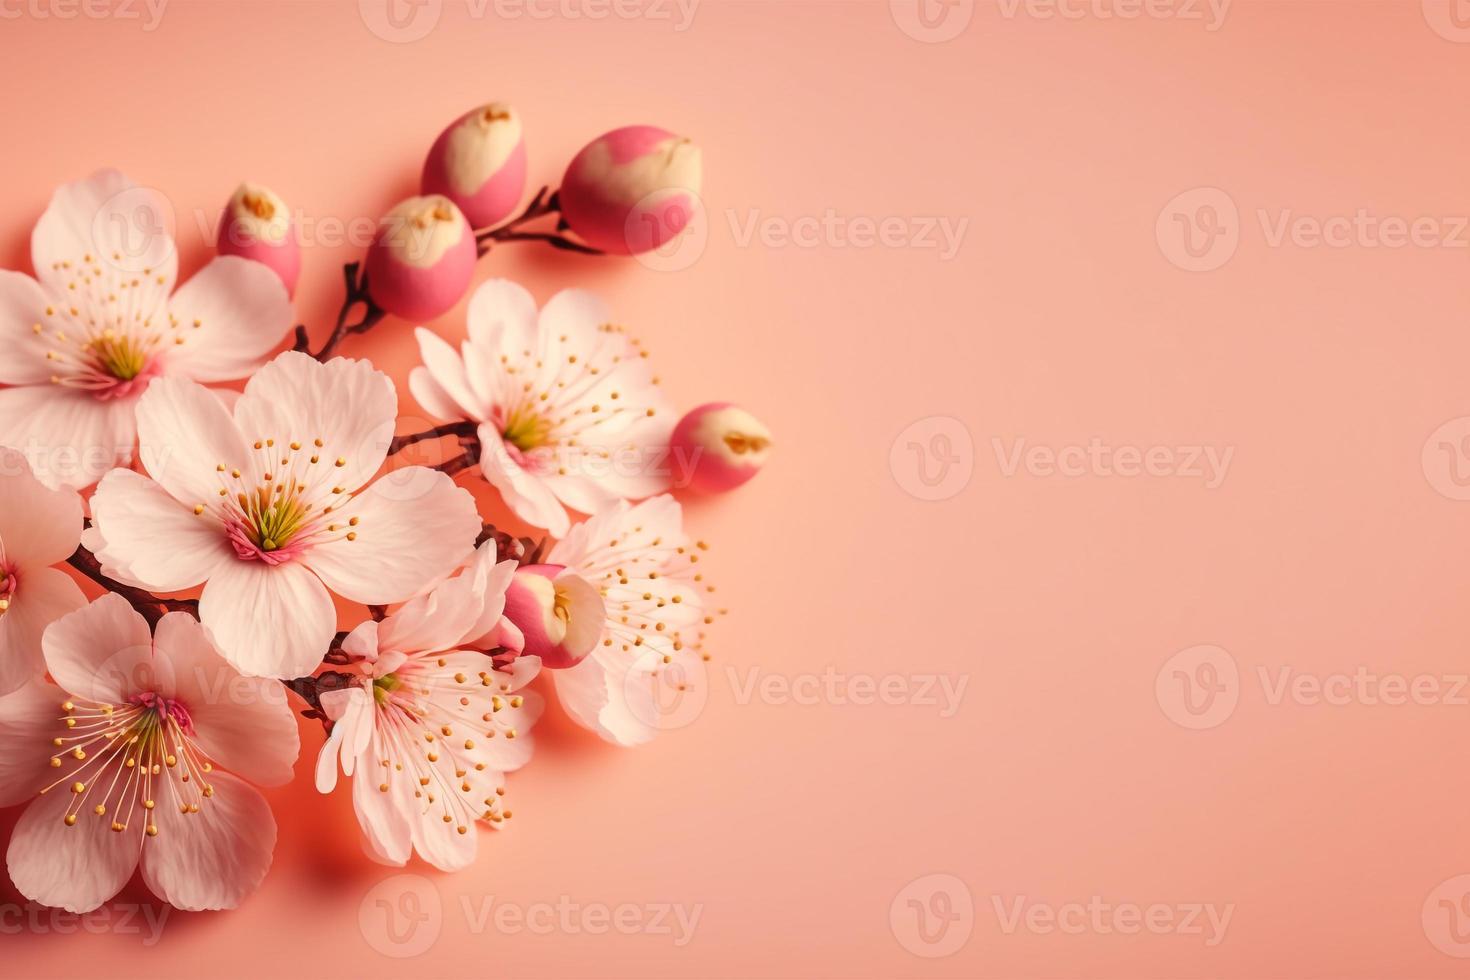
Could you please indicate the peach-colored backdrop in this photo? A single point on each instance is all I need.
(1103, 612)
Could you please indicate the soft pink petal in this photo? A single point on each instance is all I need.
(243, 723)
(448, 371)
(269, 621)
(145, 537)
(431, 395)
(230, 315)
(349, 405)
(23, 308)
(524, 493)
(45, 595)
(362, 642)
(28, 717)
(69, 437)
(38, 525)
(73, 868)
(502, 315)
(184, 437)
(412, 528)
(111, 230)
(448, 615)
(216, 858)
(387, 837)
(351, 711)
(102, 652)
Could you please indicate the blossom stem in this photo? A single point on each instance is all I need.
(152, 607)
(543, 204)
(357, 295)
(461, 429)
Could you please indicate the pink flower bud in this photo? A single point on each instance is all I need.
(421, 259)
(257, 225)
(560, 614)
(718, 446)
(479, 163)
(632, 190)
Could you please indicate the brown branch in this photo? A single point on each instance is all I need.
(462, 429)
(151, 606)
(546, 202)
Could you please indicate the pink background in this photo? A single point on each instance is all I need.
(1328, 547)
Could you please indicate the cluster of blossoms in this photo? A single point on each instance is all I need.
(224, 526)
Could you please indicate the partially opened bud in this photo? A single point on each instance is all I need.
(717, 447)
(421, 259)
(632, 190)
(479, 163)
(256, 225)
(560, 614)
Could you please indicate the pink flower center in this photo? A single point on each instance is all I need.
(120, 760)
(250, 546)
(8, 584)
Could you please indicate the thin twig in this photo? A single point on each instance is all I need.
(460, 429)
(546, 202)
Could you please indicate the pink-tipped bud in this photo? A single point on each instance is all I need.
(560, 614)
(479, 163)
(421, 259)
(718, 446)
(257, 225)
(633, 189)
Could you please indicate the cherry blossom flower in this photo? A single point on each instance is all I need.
(97, 325)
(39, 527)
(273, 506)
(433, 724)
(649, 652)
(570, 414)
(123, 750)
